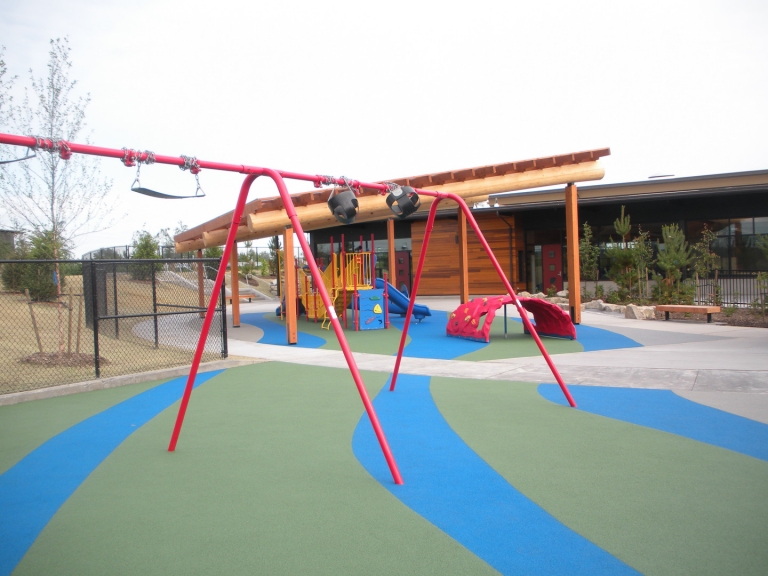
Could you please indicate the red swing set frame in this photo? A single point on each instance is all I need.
(131, 157)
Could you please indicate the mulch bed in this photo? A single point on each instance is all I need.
(54, 359)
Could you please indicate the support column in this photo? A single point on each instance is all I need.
(572, 242)
(463, 258)
(291, 309)
(201, 283)
(391, 268)
(235, 287)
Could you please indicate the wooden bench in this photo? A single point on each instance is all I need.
(708, 310)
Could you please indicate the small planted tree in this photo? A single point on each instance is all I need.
(588, 257)
(642, 254)
(705, 261)
(212, 252)
(622, 269)
(674, 260)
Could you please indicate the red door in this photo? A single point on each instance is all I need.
(552, 266)
(402, 270)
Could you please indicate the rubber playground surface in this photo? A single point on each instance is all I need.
(277, 471)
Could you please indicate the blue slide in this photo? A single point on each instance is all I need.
(398, 302)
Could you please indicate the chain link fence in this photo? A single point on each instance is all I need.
(112, 317)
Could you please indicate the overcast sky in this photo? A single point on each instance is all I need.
(391, 89)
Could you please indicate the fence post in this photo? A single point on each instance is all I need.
(95, 308)
(223, 302)
(154, 302)
(114, 293)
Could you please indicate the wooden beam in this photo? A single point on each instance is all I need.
(572, 243)
(374, 207)
(235, 287)
(463, 258)
(291, 309)
(391, 251)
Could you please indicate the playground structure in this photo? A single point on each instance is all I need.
(473, 320)
(346, 277)
(131, 158)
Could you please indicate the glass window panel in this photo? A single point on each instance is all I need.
(761, 225)
(743, 226)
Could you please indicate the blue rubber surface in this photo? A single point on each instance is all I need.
(598, 339)
(428, 339)
(664, 410)
(447, 483)
(36, 487)
(274, 333)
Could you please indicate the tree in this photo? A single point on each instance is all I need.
(673, 259)
(145, 247)
(642, 254)
(274, 251)
(66, 198)
(212, 252)
(6, 100)
(588, 256)
(622, 270)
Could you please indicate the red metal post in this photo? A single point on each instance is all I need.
(355, 303)
(414, 290)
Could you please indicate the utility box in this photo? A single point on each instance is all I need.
(371, 309)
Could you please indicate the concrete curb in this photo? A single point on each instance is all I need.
(115, 381)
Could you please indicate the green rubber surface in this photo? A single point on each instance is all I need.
(517, 344)
(263, 481)
(661, 503)
(25, 426)
(384, 342)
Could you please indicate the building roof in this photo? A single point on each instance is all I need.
(756, 180)
(194, 236)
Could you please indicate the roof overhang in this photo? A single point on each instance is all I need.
(265, 217)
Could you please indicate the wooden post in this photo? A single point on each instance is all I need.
(572, 242)
(391, 249)
(201, 284)
(463, 258)
(291, 319)
(34, 321)
(234, 287)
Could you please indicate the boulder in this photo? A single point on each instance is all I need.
(539, 295)
(565, 306)
(594, 305)
(613, 308)
(524, 294)
(562, 294)
(640, 312)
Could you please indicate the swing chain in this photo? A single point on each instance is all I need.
(348, 184)
(390, 186)
(324, 180)
(129, 158)
(190, 163)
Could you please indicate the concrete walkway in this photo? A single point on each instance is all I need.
(721, 366)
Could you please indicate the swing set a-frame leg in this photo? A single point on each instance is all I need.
(523, 314)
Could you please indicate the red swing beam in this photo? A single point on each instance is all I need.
(130, 157)
(471, 219)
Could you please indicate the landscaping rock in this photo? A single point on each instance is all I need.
(562, 294)
(524, 294)
(594, 305)
(640, 312)
(565, 306)
(614, 308)
(539, 295)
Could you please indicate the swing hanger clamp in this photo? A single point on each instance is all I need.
(190, 163)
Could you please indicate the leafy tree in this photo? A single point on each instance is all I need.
(762, 243)
(642, 254)
(274, 251)
(588, 257)
(212, 252)
(42, 280)
(673, 260)
(705, 260)
(145, 247)
(50, 195)
(13, 274)
(622, 270)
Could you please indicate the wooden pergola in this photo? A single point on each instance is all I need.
(264, 217)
